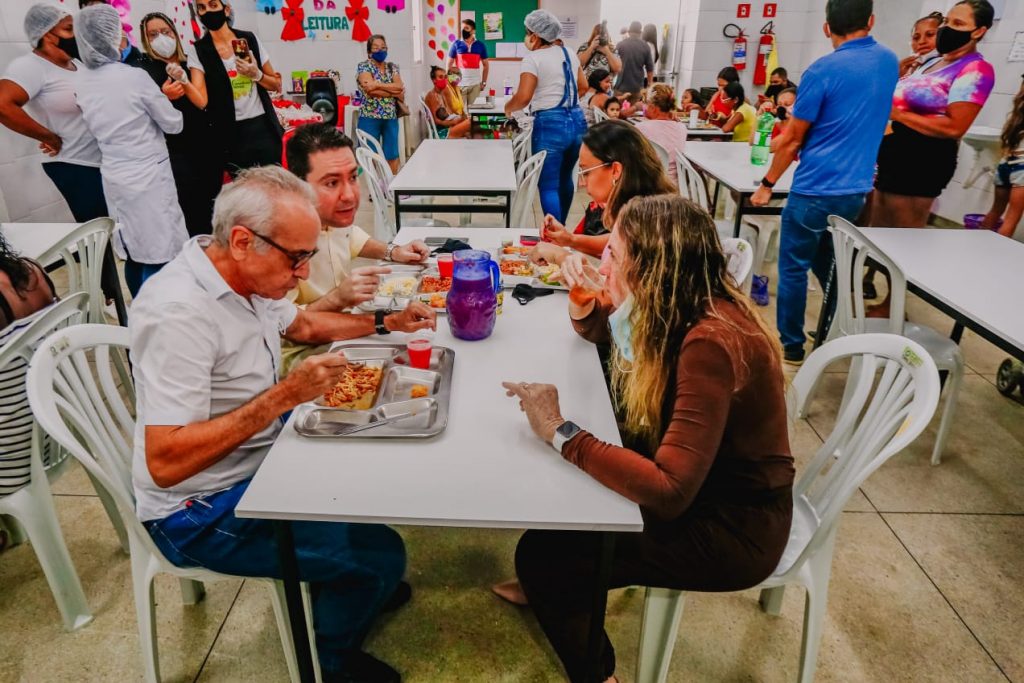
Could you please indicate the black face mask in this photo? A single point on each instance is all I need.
(948, 39)
(466, 34)
(69, 46)
(213, 21)
(772, 91)
(781, 113)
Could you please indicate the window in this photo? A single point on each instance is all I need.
(417, 31)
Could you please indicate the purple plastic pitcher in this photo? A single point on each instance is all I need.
(473, 301)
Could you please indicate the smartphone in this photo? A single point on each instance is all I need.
(240, 47)
(603, 38)
(440, 241)
(528, 240)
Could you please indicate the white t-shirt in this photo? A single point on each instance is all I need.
(247, 100)
(51, 92)
(199, 350)
(546, 65)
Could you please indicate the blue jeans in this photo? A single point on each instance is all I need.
(135, 274)
(806, 244)
(352, 568)
(385, 130)
(559, 132)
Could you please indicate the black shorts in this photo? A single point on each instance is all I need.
(914, 164)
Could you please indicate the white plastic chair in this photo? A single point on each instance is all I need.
(852, 249)
(759, 235)
(663, 156)
(522, 148)
(527, 178)
(378, 180)
(74, 394)
(82, 253)
(893, 390)
(30, 461)
(428, 120)
(373, 144)
(599, 115)
(740, 261)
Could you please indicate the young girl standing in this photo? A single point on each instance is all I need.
(1009, 199)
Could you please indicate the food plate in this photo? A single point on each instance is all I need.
(519, 271)
(415, 284)
(417, 400)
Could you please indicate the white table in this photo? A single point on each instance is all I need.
(487, 469)
(729, 164)
(972, 276)
(705, 134)
(480, 106)
(32, 240)
(457, 168)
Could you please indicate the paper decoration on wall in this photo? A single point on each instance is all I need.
(391, 6)
(357, 12)
(294, 18)
(321, 5)
(269, 6)
(493, 26)
(124, 10)
(186, 23)
(441, 26)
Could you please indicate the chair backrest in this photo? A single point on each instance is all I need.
(378, 178)
(893, 390)
(366, 140)
(740, 264)
(599, 115)
(521, 148)
(428, 120)
(691, 183)
(852, 250)
(74, 391)
(82, 253)
(18, 341)
(527, 178)
(663, 155)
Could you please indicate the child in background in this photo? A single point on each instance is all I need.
(613, 107)
(692, 100)
(1009, 191)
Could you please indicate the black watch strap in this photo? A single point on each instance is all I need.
(378, 321)
(767, 183)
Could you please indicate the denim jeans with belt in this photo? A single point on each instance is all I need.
(806, 244)
(559, 132)
(352, 569)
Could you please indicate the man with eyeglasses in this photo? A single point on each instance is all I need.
(206, 352)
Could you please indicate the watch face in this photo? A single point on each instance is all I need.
(567, 429)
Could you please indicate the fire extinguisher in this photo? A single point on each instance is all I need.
(739, 45)
(764, 50)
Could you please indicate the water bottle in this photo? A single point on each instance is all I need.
(761, 150)
(508, 87)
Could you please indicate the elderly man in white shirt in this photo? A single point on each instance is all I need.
(205, 334)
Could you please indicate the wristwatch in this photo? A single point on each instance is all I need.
(565, 433)
(767, 183)
(389, 250)
(378, 320)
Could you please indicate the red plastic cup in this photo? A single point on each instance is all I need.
(492, 92)
(420, 348)
(445, 265)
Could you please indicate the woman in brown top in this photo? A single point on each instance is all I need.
(708, 461)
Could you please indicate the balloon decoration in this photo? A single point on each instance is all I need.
(124, 10)
(391, 6)
(441, 22)
(269, 6)
(357, 12)
(294, 17)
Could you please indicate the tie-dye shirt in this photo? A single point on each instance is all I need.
(968, 79)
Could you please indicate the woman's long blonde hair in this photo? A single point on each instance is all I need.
(676, 270)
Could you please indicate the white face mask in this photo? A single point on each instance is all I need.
(165, 46)
(622, 328)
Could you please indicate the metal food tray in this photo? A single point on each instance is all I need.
(317, 420)
(510, 281)
(399, 303)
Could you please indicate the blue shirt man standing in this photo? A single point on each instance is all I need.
(470, 55)
(838, 122)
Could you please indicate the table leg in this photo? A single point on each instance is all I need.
(293, 597)
(109, 275)
(595, 639)
(827, 308)
(508, 210)
(398, 212)
(738, 221)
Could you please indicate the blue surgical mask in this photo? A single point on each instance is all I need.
(126, 51)
(622, 329)
(380, 56)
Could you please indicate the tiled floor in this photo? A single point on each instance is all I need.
(927, 583)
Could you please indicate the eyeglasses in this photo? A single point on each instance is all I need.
(585, 171)
(298, 258)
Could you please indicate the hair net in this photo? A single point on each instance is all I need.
(98, 30)
(40, 20)
(544, 24)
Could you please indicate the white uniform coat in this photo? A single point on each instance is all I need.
(129, 115)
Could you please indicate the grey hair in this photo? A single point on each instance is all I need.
(252, 199)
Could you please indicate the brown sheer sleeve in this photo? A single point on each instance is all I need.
(667, 484)
(594, 328)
